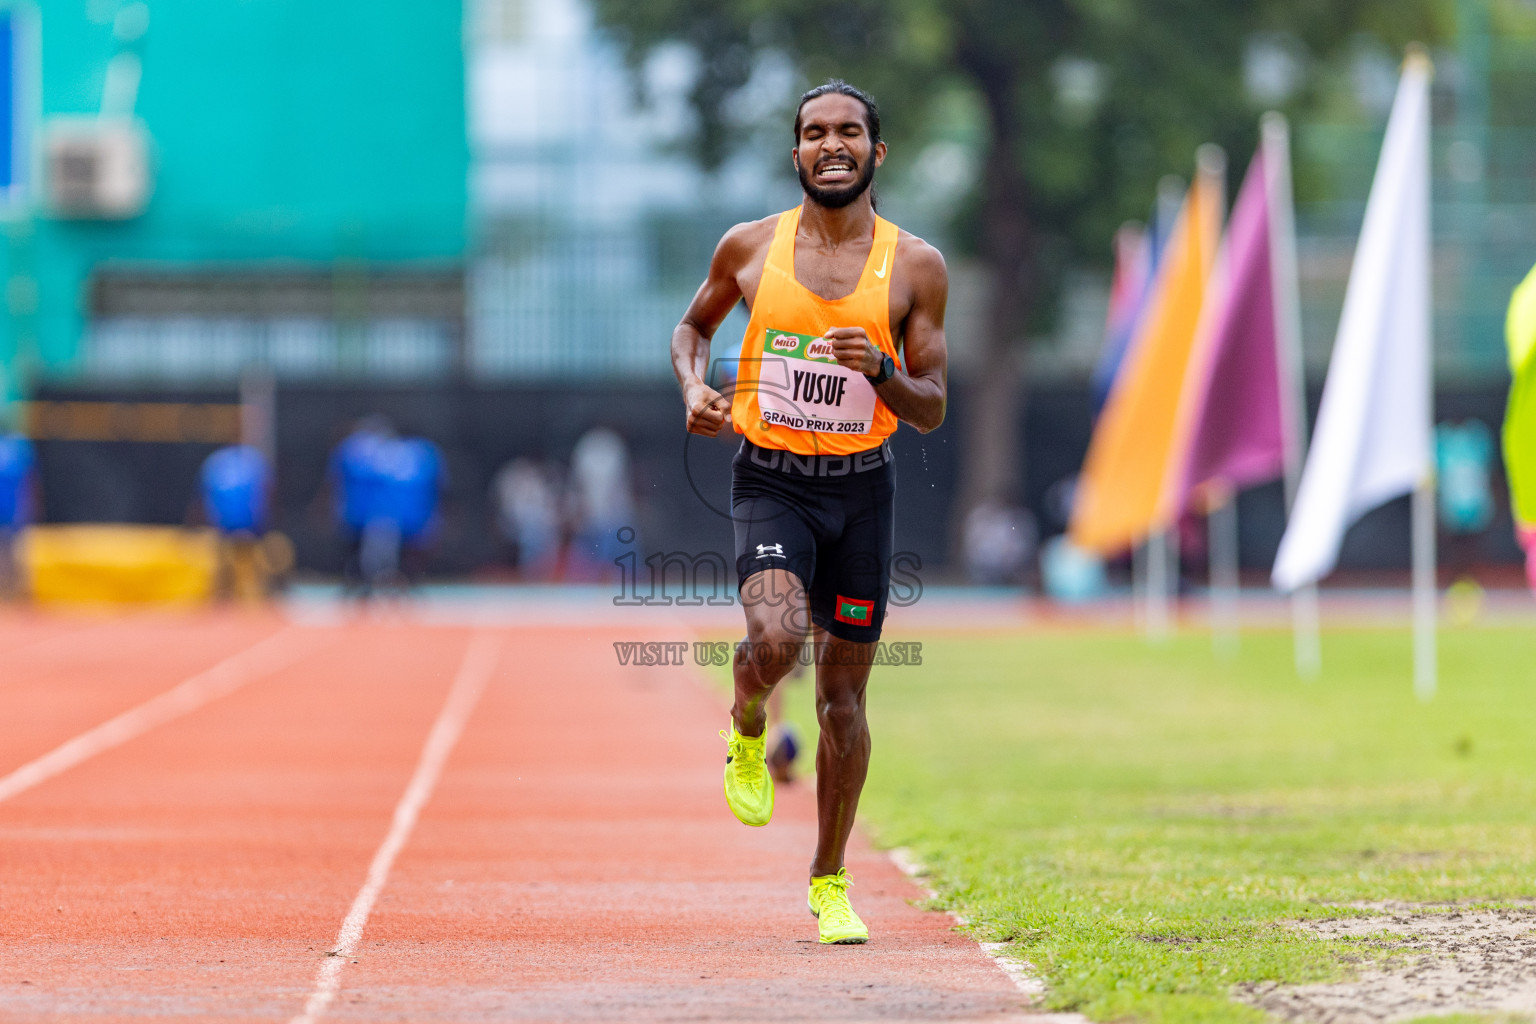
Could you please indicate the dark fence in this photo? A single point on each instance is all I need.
(681, 483)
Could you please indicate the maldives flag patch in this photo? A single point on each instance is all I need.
(855, 613)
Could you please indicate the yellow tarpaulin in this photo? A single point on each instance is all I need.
(118, 564)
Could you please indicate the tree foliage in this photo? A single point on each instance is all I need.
(1168, 76)
(1086, 104)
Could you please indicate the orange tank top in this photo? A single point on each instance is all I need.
(790, 392)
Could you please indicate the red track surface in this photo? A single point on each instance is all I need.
(575, 862)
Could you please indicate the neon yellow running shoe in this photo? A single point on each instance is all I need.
(835, 918)
(748, 787)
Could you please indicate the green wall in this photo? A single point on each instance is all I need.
(283, 130)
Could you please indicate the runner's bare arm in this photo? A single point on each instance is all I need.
(917, 396)
(707, 409)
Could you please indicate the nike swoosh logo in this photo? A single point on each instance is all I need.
(883, 259)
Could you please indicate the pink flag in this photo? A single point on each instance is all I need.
(1237, 435)
(1129, 289)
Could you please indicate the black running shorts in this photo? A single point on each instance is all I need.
(829, 520)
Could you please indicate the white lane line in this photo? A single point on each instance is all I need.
(1018, 971)
(474, 672)
(263, 658)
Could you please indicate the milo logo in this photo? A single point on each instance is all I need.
(821, 349)
(787, 344)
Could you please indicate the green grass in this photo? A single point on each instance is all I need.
(1140, 822)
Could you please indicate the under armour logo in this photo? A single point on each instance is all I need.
(770, 551)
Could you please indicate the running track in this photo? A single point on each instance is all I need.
(495, 824)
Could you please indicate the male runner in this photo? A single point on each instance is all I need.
(838, 295)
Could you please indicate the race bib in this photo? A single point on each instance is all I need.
(801, 386)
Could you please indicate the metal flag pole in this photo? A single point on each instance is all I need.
(1425, 597)
(1160, 585)
(1139, 587)
(1221, 518)
(1226, 625)
(258, 412)
(1276, 142)
(1425, 588)
(1159, 614)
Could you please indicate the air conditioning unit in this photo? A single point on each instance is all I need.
(96, 169)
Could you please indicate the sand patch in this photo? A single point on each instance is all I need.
(1444, 960)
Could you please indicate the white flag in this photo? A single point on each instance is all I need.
(1374, 429)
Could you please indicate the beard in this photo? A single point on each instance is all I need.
(837, 198)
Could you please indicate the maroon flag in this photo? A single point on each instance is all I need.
(1237, 435)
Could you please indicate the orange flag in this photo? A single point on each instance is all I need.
(1123, 494)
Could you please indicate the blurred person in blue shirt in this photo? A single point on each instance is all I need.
(18, 483)
(386, 499)
(357, 479)
(236, 487)
(236, 484)
(354, 471)
(412, 479)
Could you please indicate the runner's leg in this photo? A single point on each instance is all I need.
(848, 603)
(775, 544)
(775, 604)
(842, 754)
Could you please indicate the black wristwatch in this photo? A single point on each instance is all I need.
(887, 371)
